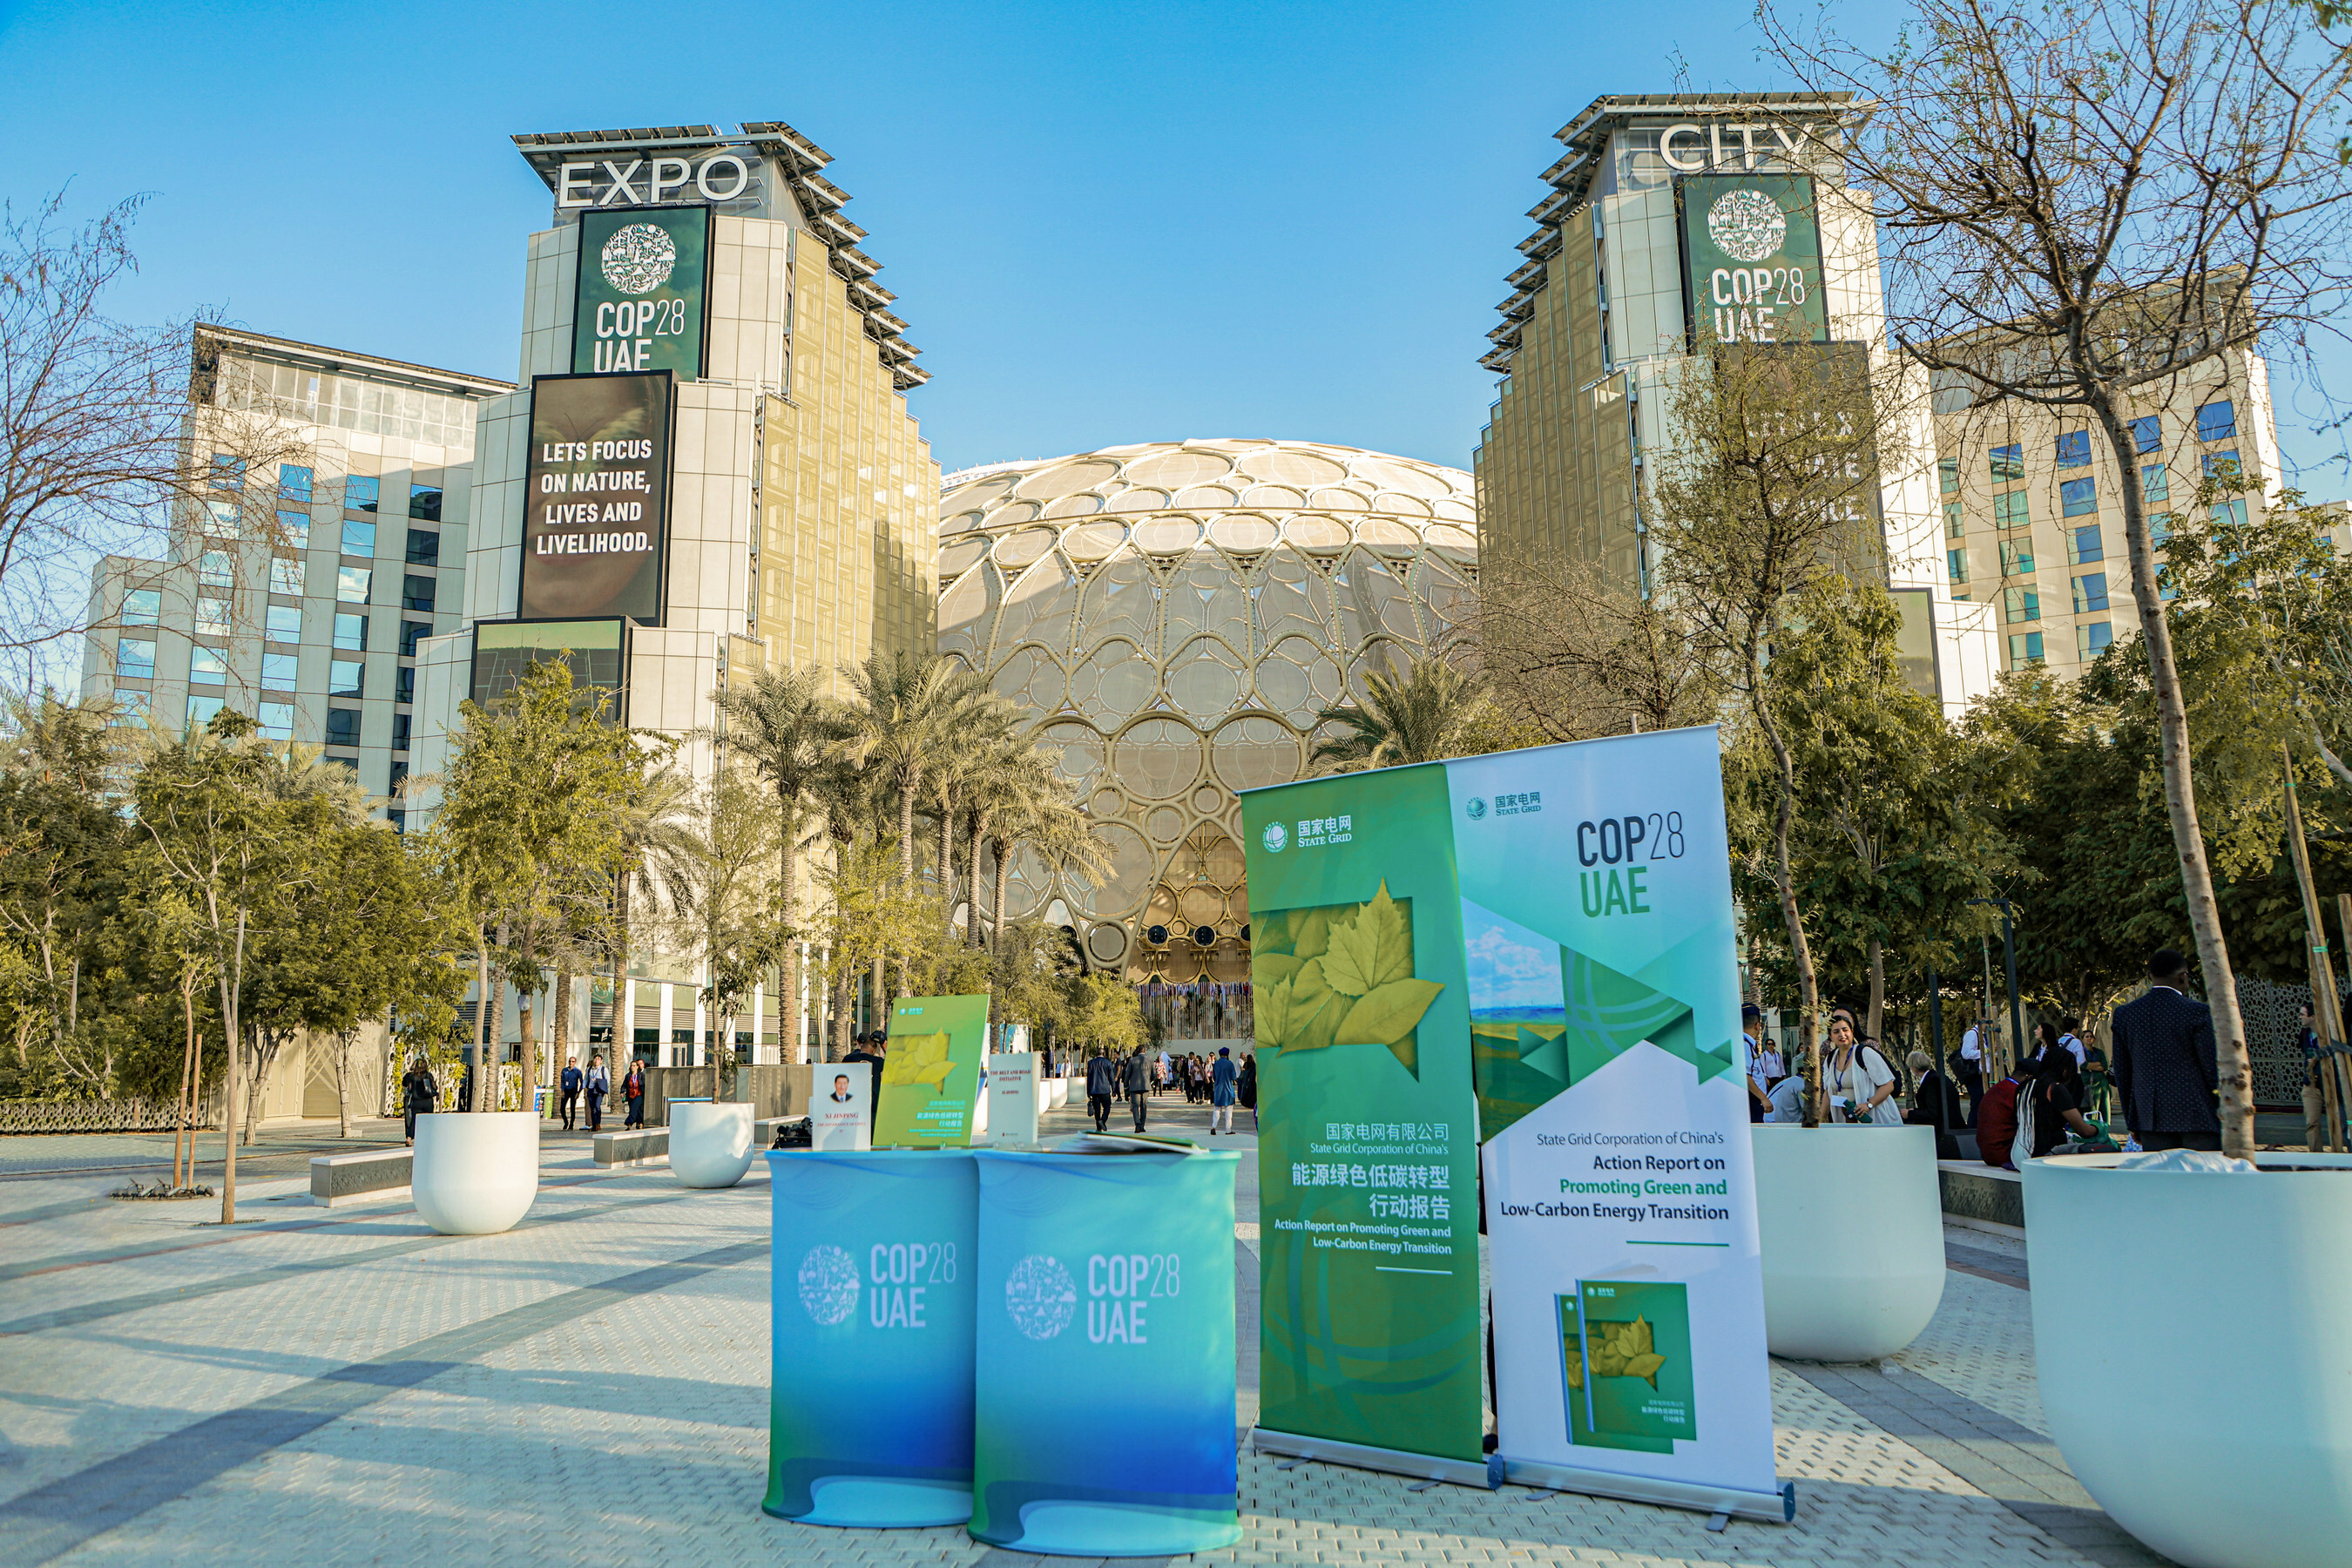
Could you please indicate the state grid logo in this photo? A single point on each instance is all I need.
(1040, 1297)
(1476, 807)
(639, 257)
(829, 1282)
(1276, 835)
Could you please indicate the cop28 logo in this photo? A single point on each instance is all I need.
(1475, 807)
(639, 257)
(1040, 1297)
(828, 1285)
(1276, 835)
(1748, 226)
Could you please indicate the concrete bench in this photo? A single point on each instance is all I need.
(1984, 1193)
(360, 1178)
(637, 1146)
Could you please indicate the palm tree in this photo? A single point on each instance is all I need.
(1011, 782)
(656, 840)
(1061, 834)
(909, 711)
(1433, 713)
(789, 734)
(982, 732)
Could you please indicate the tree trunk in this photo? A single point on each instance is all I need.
(788, 1014)
(481, 1014)
(527, 1014)
(1877, 989)
(907, 836)
(973, 935)
(947, 858)
(559, 1046)
(1003, 870)
(2235, 1070)
(232, 976)
(184, 1175)
(1784, 881)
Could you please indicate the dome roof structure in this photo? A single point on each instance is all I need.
(1176, 615)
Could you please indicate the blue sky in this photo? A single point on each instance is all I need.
(1105, 223)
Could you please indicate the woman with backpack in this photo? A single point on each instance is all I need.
(1859, 1078)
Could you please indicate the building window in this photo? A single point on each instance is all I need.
(201, 711)
(1958, 561)
(351, 631)
(2020, 605)
(400, 723)
(2024, 648)
(346, 677)
(220, 518)
(424, 547)
(277, 720)
(351, 584)
(2218, 421)
(2222, 463)
(286, 576)
(416, 594)
(360, 492)
(143, 607)
(2008, 462)
(2230, 514)
(132, 707)
(2074, 449)
(213, 617)
(2017, 558)
(359, 538)
(2079, 498)
(1947, 473)
(425, 503)
(409, 632)
(285, 624)
(206, 666)
(216, 570)
(296, 528)
(395, 775)
(134, 659)
(2156, 482)
(277, 672)
(343, 726)
(2094, 637)
(228, 473)
(1953, 527)
(2010, 509)
(2148, 432)
(2090, 593)
(397, 818)
(293, 483)
(2088, 545)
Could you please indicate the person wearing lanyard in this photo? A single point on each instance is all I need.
(1866, 1089)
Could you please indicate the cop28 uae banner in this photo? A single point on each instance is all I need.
(1530, 952)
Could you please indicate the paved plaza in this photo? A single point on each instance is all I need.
(346, 1386)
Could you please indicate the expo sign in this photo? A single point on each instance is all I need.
(650, 182)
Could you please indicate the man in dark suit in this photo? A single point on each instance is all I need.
(2164, 1061)
(864, 1053)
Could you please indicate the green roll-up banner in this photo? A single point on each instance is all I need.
(930, 1072)
(1368, 1136)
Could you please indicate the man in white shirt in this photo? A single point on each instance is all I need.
(1751, 1024)
(1788, 1099)
(2070, 1037)
(1971, 1070)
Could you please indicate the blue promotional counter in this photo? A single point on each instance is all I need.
(1104, 1379)
(871, 1314)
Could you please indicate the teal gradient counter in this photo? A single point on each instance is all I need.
(1105, 1366)
(871, 1312)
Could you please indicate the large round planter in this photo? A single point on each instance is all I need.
(1061, 1088)
(2189, 1337)
(710, 1142)
(1850, 1221)
(475, 1173)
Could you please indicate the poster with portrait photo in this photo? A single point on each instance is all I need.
(841, 1111)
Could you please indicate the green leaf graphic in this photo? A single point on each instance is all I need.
(1370, 949)
(1311, 932)
(1387, 1013)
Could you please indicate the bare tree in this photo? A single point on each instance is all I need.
(2086, 204)
(1573, 656)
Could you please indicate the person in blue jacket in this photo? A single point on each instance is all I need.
(1223, 1076)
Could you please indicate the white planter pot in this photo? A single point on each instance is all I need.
(474, 1174)
(2188, 1335)
(710, 1142)
(1061, 1092)
(1851, 1223)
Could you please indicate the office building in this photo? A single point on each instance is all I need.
(298, 591)
(1677, 226)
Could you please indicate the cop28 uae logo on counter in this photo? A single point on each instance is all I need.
(828, 1285)
(1040, 1297)
(1748, 226)
(639, 257)
(1276, 835)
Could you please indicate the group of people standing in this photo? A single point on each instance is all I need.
(1138, 1075)
(420, 1092)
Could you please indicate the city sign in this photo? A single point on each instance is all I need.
(643, 296)
(1751, 259)
(652, 182)
(597, 493)
(1691, 149)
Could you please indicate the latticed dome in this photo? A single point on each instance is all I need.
(1176, 614)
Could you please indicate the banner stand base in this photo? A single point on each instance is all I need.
(1487, 1474)
(1770, 1508)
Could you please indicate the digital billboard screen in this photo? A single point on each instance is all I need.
(643, 291)
(597, 652)
(594, 535)
(1751, 259)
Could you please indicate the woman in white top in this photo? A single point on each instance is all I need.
(1859, 1076)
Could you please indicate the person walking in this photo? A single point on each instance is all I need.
(570, 1084)
(1759, 1098)
(1246, 1091)
(1101, 1081)
(633, 1089)
(2165, 1064)
(1970, 1070)
(1859, 1078)
(1139, 1086)
(420, 1092)
(1223, 1076)
(596, 1085)
(1935, 1102)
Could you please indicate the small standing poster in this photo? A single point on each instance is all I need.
(841, 1118)
(930, 1072)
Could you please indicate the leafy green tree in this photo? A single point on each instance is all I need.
(725, 902)
(63, 849)
(909, 711)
